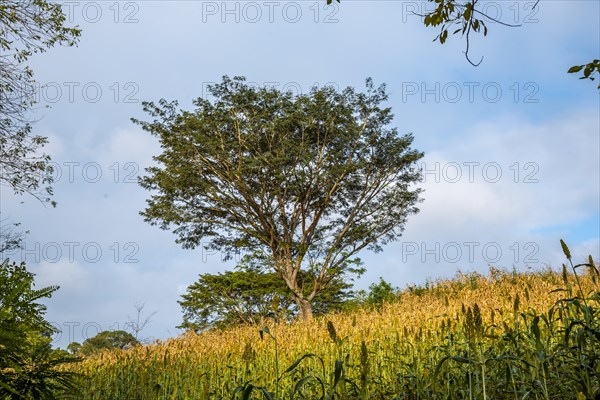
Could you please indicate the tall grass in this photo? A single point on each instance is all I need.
(503, 336)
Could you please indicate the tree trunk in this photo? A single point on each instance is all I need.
(289, 275)
(305, 308)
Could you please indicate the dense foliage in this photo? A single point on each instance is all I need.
(27, 361)
(246, 295)
(105, 340)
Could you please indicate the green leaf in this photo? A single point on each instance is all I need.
(439, 366)
(337, 374)
(467, 14)
(575, 68)
(535, 329)
(266, 393)
(464, 360)
(237, 390)
(247, 391)
(298, 361)
(443, 36)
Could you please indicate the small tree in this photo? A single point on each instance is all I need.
(108, 340)
(74, 347)
(245, 296)
(380, 292)
(139, 323)
(310, 180)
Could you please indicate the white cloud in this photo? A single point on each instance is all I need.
(523, 220)
(128, 145)
(549, 173)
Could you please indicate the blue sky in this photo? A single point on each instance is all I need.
(512, 146)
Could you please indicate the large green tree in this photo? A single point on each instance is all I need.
(308, 179)
(27, 361)
(247, 295)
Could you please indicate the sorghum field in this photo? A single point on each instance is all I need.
(506, 335)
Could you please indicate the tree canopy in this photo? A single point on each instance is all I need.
(247, 295)
(308, 179)
(105, 340)
(381, 292)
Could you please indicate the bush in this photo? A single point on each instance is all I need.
(27, 361)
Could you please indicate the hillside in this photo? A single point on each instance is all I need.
(501, 336)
